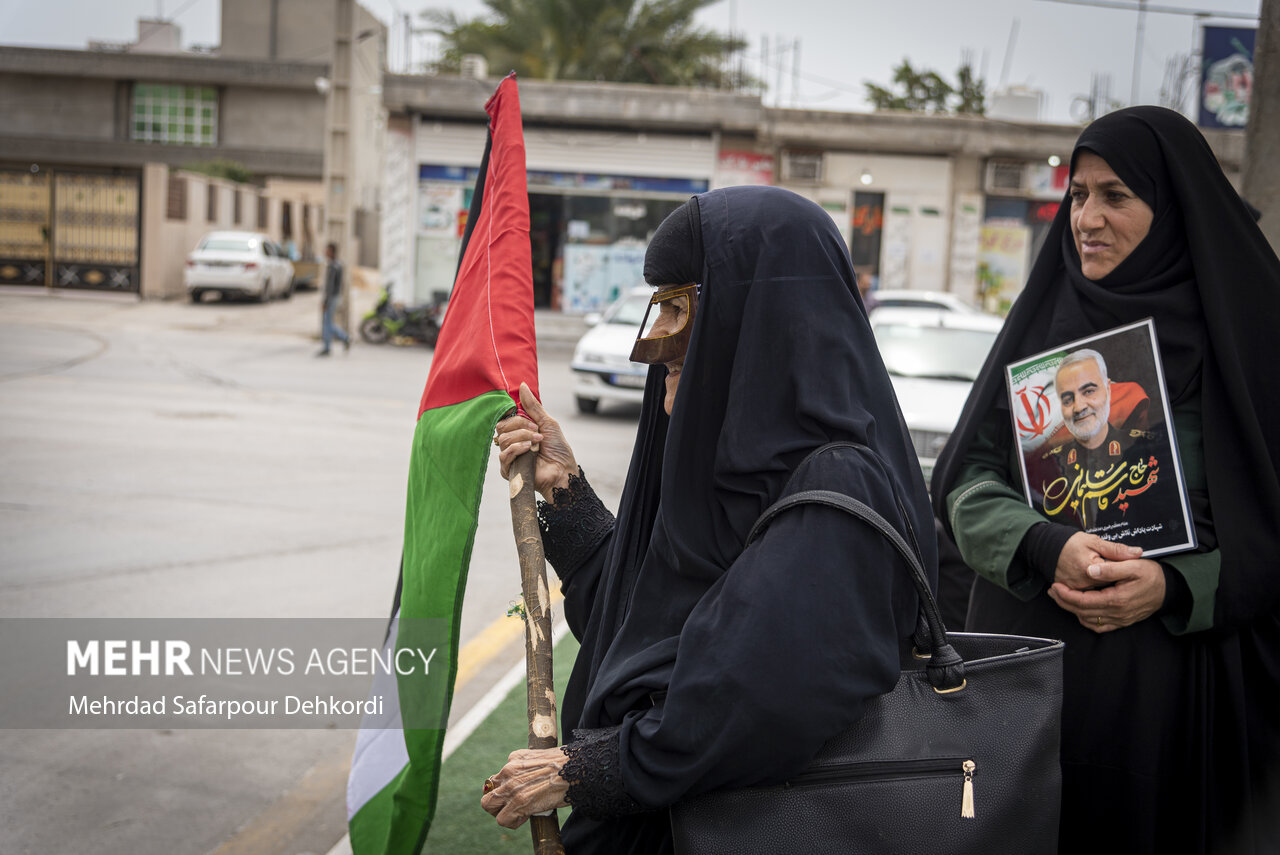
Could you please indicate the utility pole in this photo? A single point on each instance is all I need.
(1261, 179)
(1137, 52)
(337, 149)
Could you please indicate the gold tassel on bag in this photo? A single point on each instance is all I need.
(966, 803)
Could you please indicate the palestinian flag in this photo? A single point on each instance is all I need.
(486, 349)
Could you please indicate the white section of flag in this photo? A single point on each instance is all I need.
(380, 750)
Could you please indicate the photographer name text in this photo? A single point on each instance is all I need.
(229, 708)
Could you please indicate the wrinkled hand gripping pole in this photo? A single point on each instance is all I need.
(537, 634)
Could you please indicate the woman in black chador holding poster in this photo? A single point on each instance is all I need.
(703, 664)
(1171, 720)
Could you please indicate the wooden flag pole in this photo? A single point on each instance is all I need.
(537, 635)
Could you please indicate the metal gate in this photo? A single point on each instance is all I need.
(69, 230)
(24, 228)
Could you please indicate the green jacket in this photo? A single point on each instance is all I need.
(988, 517)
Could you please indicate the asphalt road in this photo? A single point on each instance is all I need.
(177, 460)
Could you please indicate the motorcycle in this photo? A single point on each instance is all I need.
(395, 320)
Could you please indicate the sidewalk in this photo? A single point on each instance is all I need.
(552, 326)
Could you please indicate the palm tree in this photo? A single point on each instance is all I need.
(621, 41)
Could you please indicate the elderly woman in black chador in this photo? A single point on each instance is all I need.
(703, 664)
(1172, 667)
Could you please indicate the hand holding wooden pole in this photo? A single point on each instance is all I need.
(537, 636)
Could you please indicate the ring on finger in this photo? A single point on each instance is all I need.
(490, 784)
(1099, 620)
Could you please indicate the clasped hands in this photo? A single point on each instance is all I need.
(1106, 585)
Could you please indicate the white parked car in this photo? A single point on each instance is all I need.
(602, 366)
(245, 264)
(933, 357)
(908, 299)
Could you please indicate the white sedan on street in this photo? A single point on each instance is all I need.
(912, 299)
(602, 366)
(933, 357)
(245, 264)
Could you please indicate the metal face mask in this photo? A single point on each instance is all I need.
(668, 325)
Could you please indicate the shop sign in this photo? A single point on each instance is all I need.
(743, 167)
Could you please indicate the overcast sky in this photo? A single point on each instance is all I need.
(1058, 47)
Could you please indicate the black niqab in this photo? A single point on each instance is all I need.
(674, 256)
(799, 630)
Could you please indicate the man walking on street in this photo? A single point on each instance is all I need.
(332, 291)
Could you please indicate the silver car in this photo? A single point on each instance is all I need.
(933, 357)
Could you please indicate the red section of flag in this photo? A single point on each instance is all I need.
(487, 341)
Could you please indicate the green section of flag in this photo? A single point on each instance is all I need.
(446, 475)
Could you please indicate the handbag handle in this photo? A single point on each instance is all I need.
(945, 667)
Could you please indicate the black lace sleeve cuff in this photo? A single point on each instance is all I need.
(594, 774)
(573, 524)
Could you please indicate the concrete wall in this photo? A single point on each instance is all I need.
(166, 242)
(246, 29)
(38, 105)
(65, 107)
(298, 196)
(967, 197)
(369, 117)
(578, 103)
(915, 243)
(303, 29)
(272, 119)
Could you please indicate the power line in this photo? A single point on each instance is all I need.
(1164, 10)
(184, 7)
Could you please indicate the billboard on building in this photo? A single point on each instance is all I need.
(1226, 76)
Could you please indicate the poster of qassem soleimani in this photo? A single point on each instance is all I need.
(1098, 450)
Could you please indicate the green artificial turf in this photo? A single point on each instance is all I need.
(461, 827)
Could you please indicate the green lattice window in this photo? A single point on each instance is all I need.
(179, 115)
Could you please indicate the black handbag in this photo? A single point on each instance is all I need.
(960, 757)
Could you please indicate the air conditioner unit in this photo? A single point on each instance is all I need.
(802, 167)
(1026, 179)
(473, 65)
(1007, 177)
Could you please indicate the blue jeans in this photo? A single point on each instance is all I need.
(328, 329)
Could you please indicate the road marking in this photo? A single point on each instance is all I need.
(492, 640)
(326, 782)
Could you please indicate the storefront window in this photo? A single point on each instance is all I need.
(587, 246)
(602, 241)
